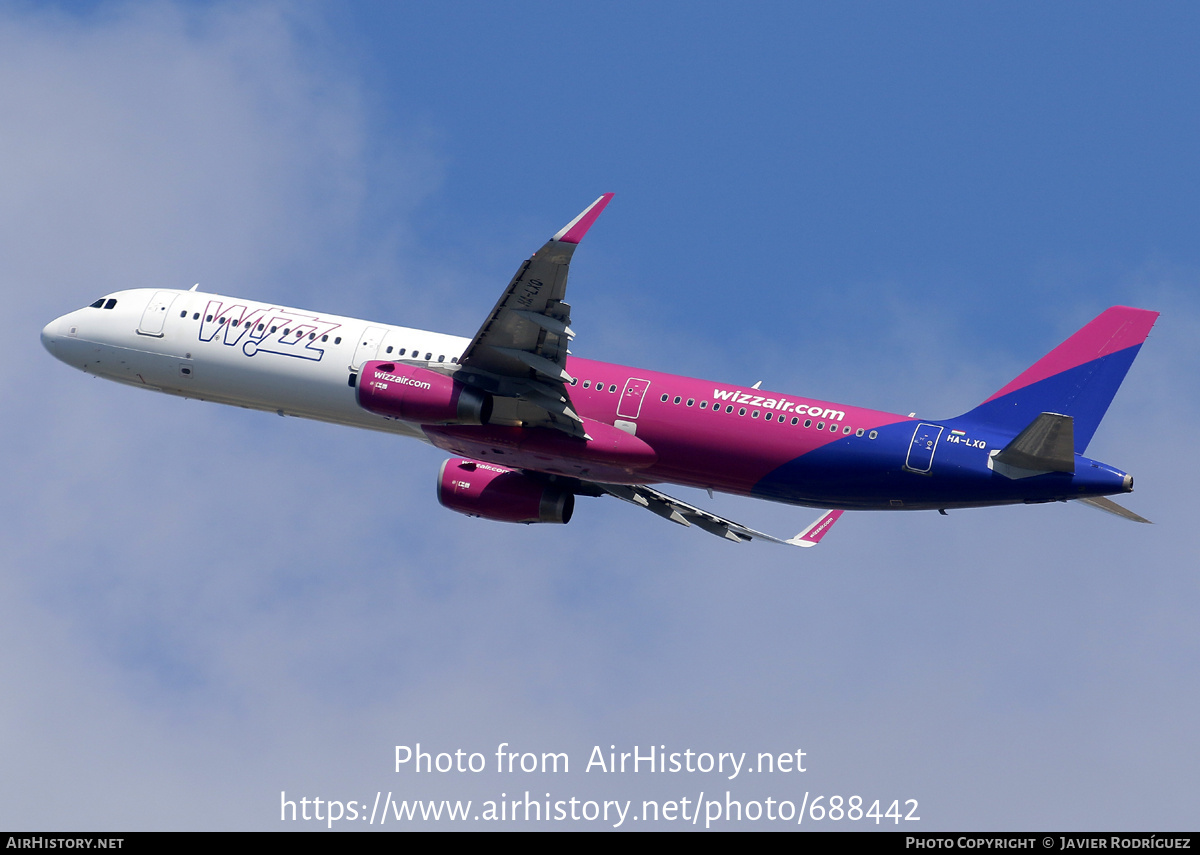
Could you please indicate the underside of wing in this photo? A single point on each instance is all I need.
(681, 512)
(519, 355)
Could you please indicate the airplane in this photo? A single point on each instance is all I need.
(532, 426)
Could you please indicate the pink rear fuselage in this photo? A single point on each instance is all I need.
(703, 434)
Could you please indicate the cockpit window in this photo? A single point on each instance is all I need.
(99, 304)
(112, 301)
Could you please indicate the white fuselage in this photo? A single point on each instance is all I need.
(236, 351)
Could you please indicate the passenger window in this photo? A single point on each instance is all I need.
(196, 317)
(873, 434)
(428, 356)
(769, 416)
(820, 425)
(389, 348)
(613, 388)
(441, 358)
(808, 422)
(795, 420)
(677, 399)
(691, 401)
(754, 414)
(729, 409)
(704, 405)
(587, 384)
(847, 429)
(338, 340)
(183, 314)
(859, 432)
(664, 398)
(741, 411)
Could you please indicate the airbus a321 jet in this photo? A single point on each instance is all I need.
(532, 426)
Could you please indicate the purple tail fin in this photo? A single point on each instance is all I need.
(1078, 378)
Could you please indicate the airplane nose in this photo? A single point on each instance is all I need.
(57, 336)
(50, 337)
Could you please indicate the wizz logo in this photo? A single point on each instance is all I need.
(266, 330)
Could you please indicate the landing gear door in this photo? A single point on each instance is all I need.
(156, 314)
(920, 452)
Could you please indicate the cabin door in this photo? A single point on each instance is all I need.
(368, 345)
(920, 451)
(156, 314)
(631, 399)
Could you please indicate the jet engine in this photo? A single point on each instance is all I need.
(419, 395)
(498, 493)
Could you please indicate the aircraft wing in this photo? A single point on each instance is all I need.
(684, 514)
(520, 352)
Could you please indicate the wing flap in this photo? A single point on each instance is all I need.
(544, 367)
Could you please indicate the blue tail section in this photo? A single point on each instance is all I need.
(1078, 378)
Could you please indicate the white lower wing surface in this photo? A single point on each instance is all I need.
(684, 514)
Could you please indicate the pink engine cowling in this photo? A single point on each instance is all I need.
(498, 493)
(419, 395)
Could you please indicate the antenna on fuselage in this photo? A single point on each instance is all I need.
(194, 287)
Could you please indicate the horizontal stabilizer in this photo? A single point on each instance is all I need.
(1047, 444)
(1109, 506)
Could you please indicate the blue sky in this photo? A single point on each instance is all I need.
(891, 206)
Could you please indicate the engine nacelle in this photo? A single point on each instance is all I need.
(419, 395)
(498, 493)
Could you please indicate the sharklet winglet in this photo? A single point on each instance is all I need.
(574, 231)
(812, 535)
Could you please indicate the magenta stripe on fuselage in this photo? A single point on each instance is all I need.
(1112, 330)
(711, 447)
